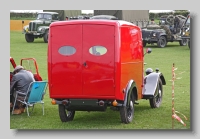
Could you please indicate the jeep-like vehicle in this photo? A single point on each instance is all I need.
(185, 33)
(168, 30)
(94, 64)
(39, 28)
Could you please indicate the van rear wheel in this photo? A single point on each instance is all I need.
(65, 116)
(127, 112)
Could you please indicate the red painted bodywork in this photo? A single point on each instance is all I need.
(32, 66)
(103, 77)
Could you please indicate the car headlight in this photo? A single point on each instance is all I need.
(41, 29)
(154, 34)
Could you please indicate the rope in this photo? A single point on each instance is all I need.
(174, 115)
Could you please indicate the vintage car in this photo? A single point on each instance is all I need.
(39, 28)
(28, 64)
(95, 64)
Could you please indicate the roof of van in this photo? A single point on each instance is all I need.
(94, 21)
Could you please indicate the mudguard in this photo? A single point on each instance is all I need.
(161, 34)
(150, 83)
(131, 84)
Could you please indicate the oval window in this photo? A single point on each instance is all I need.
(67, 50)
(98, 50)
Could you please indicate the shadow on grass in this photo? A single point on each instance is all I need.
(169, 44)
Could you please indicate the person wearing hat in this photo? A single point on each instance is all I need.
(20, 82)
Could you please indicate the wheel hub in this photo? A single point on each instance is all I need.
(159, 93)
(131, 105)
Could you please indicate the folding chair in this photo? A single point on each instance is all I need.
(34, 95)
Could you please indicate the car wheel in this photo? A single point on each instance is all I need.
(45, 37)
(189, 43)
(65, 116)
(162, 42)
(156, 101)
(127, 112)
(29, 37)
(183, 42)
(144, 43)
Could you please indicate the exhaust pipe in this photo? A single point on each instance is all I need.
(101, 103)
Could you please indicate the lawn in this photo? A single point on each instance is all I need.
(144, 117)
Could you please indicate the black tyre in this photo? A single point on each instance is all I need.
(29, 37)
(156, 101)
(65, 116)
(183, 42)
(45, 37)
(127, 112)
(189, 43)
(144, 43)
(162, 42)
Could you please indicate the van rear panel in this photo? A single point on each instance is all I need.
(81, 60)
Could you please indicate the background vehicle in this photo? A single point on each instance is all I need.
(39, 28)
(185, 33)
(168, 30)
(63, 13)
(109, 17)
(95, 64)
(28, 64)
(137, 17)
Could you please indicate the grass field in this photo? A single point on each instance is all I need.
(144, 117)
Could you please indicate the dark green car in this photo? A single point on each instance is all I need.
(39, 28)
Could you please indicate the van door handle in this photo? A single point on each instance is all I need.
(84, 64)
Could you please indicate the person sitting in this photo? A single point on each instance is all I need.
(19, 82)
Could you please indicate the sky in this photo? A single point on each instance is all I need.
(87, 11)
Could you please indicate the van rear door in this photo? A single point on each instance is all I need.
(66, 68)
(82, 60)
(98, 60)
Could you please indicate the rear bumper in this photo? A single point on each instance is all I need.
(86, 104)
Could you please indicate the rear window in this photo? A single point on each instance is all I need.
(67, 50)
(98, 50)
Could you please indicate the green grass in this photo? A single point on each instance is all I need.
(144, 117)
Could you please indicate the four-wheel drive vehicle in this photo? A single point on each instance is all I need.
(39, 28)
(185, 33)
(168, 30)
(28, 64)
(95, 64)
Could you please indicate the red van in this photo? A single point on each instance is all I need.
(95, 64)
